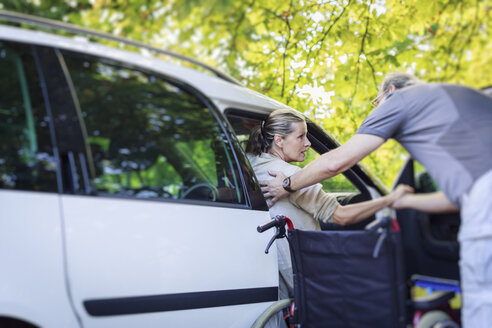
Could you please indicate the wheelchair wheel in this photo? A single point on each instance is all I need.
(273, 315)
(436, 319)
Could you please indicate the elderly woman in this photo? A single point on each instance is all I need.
(282, 139)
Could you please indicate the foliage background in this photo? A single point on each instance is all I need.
(324, 58)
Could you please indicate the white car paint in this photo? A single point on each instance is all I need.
(32, 279)
(119, 248)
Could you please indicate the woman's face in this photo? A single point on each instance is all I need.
(295, 145)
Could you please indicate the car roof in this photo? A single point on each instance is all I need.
(213, 87)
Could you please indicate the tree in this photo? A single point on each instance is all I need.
(324, 58)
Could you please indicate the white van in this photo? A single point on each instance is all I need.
(126, 199)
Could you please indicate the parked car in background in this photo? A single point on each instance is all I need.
(126, 197)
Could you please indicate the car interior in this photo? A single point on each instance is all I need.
(430, 241)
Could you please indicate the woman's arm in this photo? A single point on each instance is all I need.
(354, 213)
(319, 204)
(323, 206)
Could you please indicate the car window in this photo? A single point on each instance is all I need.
(150, 138)
(26, 153)
(424, 183)
(338, 184)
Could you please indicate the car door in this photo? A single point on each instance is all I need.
(429, 240)
(32, 278)
(159, 217)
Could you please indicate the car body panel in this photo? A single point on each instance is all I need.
(32, 278)
(120, 248)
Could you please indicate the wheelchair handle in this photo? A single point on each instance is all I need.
(279, 223)
(384, 222)
(268, 225)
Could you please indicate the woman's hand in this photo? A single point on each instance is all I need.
(399, 195)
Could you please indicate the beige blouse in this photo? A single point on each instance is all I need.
(304, 207)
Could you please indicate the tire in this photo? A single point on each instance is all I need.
(436, 319)
(14, 323)
(273, 314)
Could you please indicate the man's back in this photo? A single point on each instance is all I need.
(448, 128)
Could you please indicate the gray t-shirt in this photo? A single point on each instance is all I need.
(447, 128)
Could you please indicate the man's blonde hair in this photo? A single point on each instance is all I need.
(399, 79)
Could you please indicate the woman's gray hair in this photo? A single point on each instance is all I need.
(399, 80)
(278, 122)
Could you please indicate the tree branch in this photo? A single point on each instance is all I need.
(476, 25)
(360, 53)
(310, 52)
(287, 41)
(373, 73)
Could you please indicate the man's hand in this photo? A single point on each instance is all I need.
(435, 202)
(398, 194)
(272, 189)
(400, 203)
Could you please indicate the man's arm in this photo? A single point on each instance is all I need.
(324, 167)
(435, 202)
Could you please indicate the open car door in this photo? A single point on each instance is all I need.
(429, 240)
